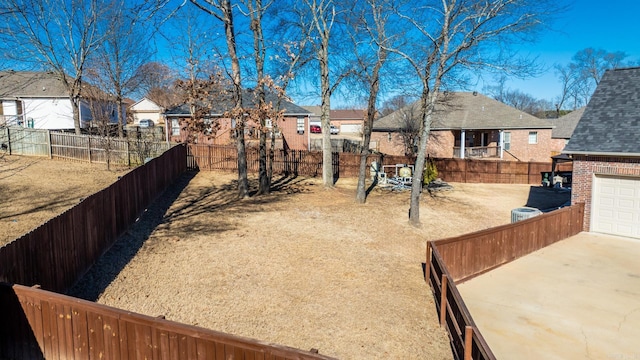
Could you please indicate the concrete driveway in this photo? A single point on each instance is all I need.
(576, 299)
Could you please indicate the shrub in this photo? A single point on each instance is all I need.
(430, 172)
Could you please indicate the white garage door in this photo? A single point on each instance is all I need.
(350, 128)
(616, 206)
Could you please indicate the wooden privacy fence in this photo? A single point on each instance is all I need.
(56, 253)
(486, 171)
(288, 162)
(454, 260)
(38, 324)
(309, 163)
(85, 148)
(472, 254)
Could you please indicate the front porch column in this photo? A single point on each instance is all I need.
(462, 144)
(501, 144)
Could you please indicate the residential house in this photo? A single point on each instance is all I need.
(469, 125)
(348, 121)
(147, 109)
(292, 131)
(563, 129)
(606, 156)
(40, 100)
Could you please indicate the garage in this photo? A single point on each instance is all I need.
(351, 128)
(616, 206)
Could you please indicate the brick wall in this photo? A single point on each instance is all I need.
(440, 143)
(584, 170)
(539, 152)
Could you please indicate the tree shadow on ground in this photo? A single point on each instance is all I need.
(109, 265)
(200, 210)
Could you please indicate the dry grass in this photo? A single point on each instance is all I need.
(303, 267)
(33, 190)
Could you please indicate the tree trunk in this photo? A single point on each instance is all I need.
(227, 19)
(263, 176)
(361, 192)
(325, 118)
(75, 105)
(121, 119)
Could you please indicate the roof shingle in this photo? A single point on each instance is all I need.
(611, 122)
(468, 111)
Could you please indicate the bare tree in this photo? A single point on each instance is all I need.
(375, 15)
(155, 81)
(222, 10)
(323, 16)
(202, 96)
(114, 65)
(451, 35)
(55, 36)
(580, 77)
(323, 19)
(103, 122)
(409, 130)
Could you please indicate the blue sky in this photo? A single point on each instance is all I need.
(612, 25)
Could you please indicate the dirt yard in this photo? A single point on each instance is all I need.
(33, 190)
(304, 267)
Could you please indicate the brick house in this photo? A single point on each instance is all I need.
(470, 125)
(563, 129)
(291, 132)
(606, 156)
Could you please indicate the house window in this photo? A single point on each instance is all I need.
(300, 125)
(507, 141)
(175, 127)
(533, 137)
(268, 123)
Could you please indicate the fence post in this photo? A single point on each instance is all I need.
(468, 342)
(49, 144)
(427, 270)
(9, 139)
(89, 147)
(443, 301)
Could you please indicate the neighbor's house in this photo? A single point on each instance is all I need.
(348, 121)
(605, 148)
(470, 125)
(292, 132)
(40, 100)
(147, 109)
(563, 129)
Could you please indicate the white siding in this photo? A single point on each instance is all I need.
(49, 113)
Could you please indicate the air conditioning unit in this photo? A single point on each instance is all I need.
(523, 213)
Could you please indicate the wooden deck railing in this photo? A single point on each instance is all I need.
(454, 260)
(38, 324)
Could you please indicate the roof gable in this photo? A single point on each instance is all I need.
(466, 111)
(565, 125)
(31, 84)
(611, 121)
(145, 104)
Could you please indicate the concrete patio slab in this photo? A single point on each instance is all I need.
(576, 299)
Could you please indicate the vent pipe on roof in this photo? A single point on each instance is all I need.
(475, 93)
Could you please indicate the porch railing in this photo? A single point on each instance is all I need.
(478, 152)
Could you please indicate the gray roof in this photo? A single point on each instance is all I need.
(248, 100)
(468, 111)
(610, 124)
(27, 84)
(565, 125)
